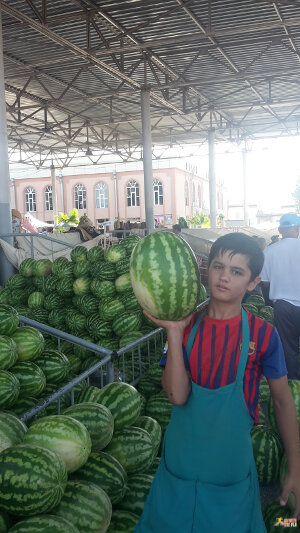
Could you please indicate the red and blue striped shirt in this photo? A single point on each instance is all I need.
(216, 352)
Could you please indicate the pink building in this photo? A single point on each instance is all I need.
(114, 195)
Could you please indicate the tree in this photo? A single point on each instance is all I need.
(296, 196)
(67, 220)
(200, 220)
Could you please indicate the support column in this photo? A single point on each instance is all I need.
(245, 185)
(61, 193)
(117, 215)
(6, 268)
(147, 159)
(54, 195)
(212, 179)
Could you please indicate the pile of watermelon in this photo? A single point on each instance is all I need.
(255, 304)
(88, 470)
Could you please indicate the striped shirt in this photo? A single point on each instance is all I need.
(216, 352)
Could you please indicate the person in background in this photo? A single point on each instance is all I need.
(281, 273)
(177, 229)
(274, 238)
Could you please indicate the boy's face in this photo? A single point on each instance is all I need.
(229, 277)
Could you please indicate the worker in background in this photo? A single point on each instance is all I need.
(281, 273)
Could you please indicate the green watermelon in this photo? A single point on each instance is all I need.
(81, 286)
(136, 494)
(32, 480)
(109, 343)
(126, 322)
(102, 288)
(123, 522)
(272, 512)
(268, 451)
(42, 267)
(5, 296)
(103, 271)
(30, 343)
(202, 294)
(98, 421)
(89, 394)
(123, 283)
(123, 401)
(159, 408)
(147, 387)
(256, 300)
(8, 352)
(110, 309)
(36, 299)
(155, 373)
(153, 428)
(64, 287)
(63, 435)
(5, 521)
(12, 431)
(114, 253)
(283, 471)
(129, 243)
(58, 405)
(46, 523)
(31, 378)
(79, 254)
(75, 363)
(87, 304)
(26, 267)
(39, 314)
(58, 264)
(97, 327)
(122, 266)
(81, 269)
(75, 321)
(9, 319)
(56, 319)
(65, 270)
(9, 389)
(95, 254)
(165, 276)
(294, 386)
(22, 405)
(132, 447)
(55, 365)
(85, 505)
(153, 468)
(106, 472)
(50, 284)
(130, 302)
(16, 281)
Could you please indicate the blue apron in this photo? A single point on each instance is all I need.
(207, 479)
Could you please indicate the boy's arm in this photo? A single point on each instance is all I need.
(287, 422)
(176, 380)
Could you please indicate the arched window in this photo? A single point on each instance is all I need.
(186, 193)
(158, 192)
(80, 196)
(101, 195)
(48, 198)
(133, 194)
(30, 203)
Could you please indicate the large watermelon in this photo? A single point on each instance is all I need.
(154, 430)
(63, 435)
(36, 299)
(55, 366)
(268, 451)
(98, 421)
(9, 389)
(128, 321)
(9, 319)
(123, 522)
(32, 480)
(46, 523)
(132, 447)
(31, 377)
(106, 472)
(79, 254)
(123, 401)
(30, 343)
(90, 394)
(95, 254)
(159, 408)
(26, 267)
(12, 431)
(85, 505)
(294, 386)
(114, 253)
(165, 276)
(16, 281)
(42, 267)
(136, 494)
(51, 284)
(8, 352)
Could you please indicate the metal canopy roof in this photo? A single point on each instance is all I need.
(74, 71)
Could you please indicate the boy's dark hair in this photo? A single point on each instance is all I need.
(177, 227)
(239, 243)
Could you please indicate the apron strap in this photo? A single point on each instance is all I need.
(245, 347)
(193, 334)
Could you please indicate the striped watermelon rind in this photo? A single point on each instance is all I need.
(106, 472)
(12, 430)
(9, 389)
(123, 401)
(63, 435)
(267, 451)
(123, 522)
(33, 480)
(30, 343)
(46, 523)
(8, 352)
(55, 365)
(97, 419)
(153, 428)
(31, 378)
(9, 319)
(165, 276)
(132, 447)
(159, 408)
(85, 505)
(138, 487)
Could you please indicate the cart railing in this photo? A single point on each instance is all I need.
(32, 236)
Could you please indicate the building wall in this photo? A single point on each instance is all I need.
(175, 182)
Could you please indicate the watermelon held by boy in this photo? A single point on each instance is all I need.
(165, 276)
(272, 512)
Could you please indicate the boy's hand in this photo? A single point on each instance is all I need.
(292, 484)
(169, 324)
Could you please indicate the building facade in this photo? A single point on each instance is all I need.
(116, 196)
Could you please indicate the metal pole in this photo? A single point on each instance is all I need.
(54, 196)
(61, 193)
(14, 204)
(245, 184)
(147, 159)
(212, 178)
(6, 268)
(117, 216)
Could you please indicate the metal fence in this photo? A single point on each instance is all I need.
(32, 236)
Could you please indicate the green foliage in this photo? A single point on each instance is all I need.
(199, 220)
(296, 196)
(70, 220)
(182, 222)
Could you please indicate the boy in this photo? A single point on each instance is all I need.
(207, 480)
